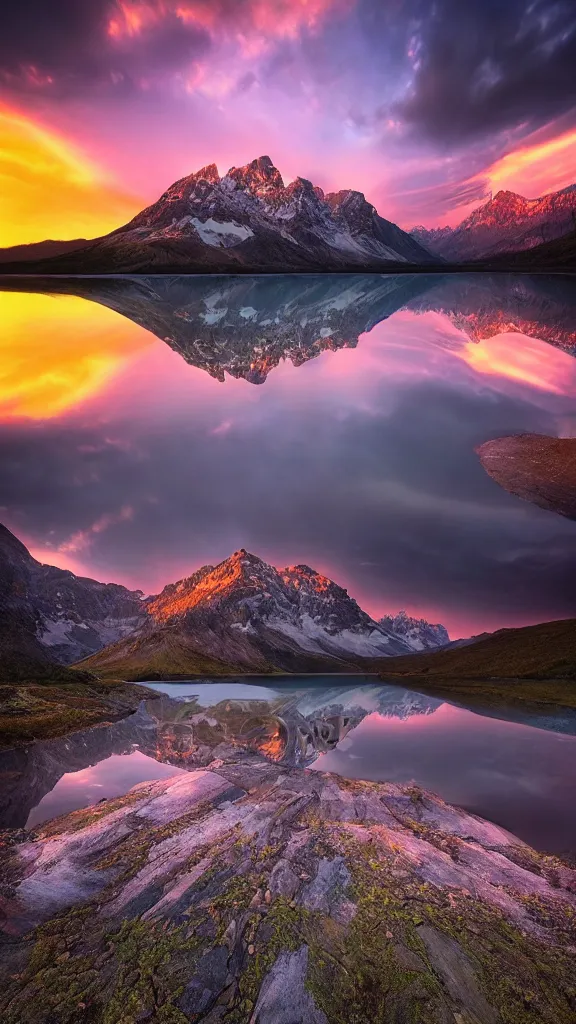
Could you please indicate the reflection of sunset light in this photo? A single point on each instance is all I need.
(57, 351)
(50, 189)
(273, 746)
(522, 359)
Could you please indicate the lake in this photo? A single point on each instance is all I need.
(519, 775)
(153, 425)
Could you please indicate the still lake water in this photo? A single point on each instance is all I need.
(519, 775)
(152, 425)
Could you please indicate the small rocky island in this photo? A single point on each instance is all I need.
(252, 891)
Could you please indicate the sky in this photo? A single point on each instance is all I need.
(427, 106)
(120, 461)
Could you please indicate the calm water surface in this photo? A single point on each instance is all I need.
(520, 775)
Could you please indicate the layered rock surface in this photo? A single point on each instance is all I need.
(252, 892)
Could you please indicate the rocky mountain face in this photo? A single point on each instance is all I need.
(536, 468)
(252, 617)
(241, 615)
(54, 616)
(504, 224)
(249, 220)
(419, 634)
(243, 325)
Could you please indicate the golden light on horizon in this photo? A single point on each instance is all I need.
(50, 189)
(537, 169)
(57, 351)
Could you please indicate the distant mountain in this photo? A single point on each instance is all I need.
(507, 223)
(40, 250)
(544, 651)
(248, 220)
(536, 468)
(250, 617)
(49, 615)
(418, 634)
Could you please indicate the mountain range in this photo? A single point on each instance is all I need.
(506, 223)
(242, 615)
(247, 220)
(246, 325)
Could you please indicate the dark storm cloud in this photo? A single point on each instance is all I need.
(65, 47)
(486, 65)
(396, 506)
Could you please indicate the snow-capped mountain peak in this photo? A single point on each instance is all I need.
(418, 633)
(261, 222)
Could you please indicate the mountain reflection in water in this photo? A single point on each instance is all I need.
(518, 774)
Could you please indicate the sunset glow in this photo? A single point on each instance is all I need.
(49, 189)
(537, 169)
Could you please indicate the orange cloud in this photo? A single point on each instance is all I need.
(83, 539)
(57, 351)
(534, 169)
(49, 189)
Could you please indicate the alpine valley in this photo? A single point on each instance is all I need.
(242, 615)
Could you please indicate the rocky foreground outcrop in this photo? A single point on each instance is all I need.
(252, 892)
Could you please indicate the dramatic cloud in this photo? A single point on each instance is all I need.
(423, 106)
(488, 66)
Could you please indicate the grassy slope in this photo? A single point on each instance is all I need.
(41, 710)
(169, 657)
(534, 663)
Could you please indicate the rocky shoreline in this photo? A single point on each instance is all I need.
(247, 891)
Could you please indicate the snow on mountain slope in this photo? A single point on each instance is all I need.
(248, 613)
(249, 220)
(417, 633)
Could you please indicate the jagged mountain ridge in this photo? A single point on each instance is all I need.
(252, 616)
(51, 615)
(506, 223)
(248, 220)
(421, 635)
(240, 615)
